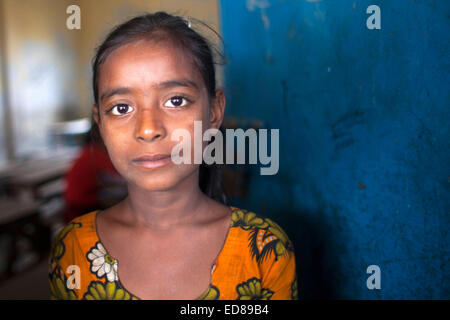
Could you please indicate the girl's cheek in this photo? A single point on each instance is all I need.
(115, 142)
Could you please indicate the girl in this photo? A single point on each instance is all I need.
(172, 237)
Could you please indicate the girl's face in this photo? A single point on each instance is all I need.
(146, 91)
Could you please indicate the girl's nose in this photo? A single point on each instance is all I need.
(149, 126)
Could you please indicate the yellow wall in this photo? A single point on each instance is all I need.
(5, 153)
(40, 63)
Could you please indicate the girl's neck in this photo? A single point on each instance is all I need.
(164, 210)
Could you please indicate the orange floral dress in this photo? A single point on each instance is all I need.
(257, 262)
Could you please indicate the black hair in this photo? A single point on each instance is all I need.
(178, 30)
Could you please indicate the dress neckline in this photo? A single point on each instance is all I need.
(213, 267)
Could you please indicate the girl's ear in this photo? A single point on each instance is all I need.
(217, 110)
(95, 113)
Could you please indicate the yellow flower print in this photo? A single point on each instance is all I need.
(106, 291)
(294, 291)
(277, 231)
(58, 289)
(284, 245)
(247, 220)
(58, 248)
(266, 236)
(251, 290)
(211, 294)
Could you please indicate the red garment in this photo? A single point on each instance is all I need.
(83, 180)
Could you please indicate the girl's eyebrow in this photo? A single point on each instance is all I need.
(113, 91)
(178, 83)
(166, 84)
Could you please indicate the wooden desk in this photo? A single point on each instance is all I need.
(25, 179)
(20, 224)
(13, 209)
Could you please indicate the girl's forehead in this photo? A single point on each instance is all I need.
(155, 54)
(146, 60)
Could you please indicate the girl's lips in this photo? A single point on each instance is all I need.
(152, 161)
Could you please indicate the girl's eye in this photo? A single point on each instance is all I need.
(175, 102)
(121, 109)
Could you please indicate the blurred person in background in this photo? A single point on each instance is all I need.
(92, 182)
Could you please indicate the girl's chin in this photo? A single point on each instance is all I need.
(160, 182)
(151, 184)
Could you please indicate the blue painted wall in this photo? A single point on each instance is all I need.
(364, 137)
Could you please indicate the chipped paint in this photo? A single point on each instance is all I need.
(260, 4)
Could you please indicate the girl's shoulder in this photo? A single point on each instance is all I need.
(260, 233)
(258, 260)
(84, 224)
(251, 221)
(77, 233)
